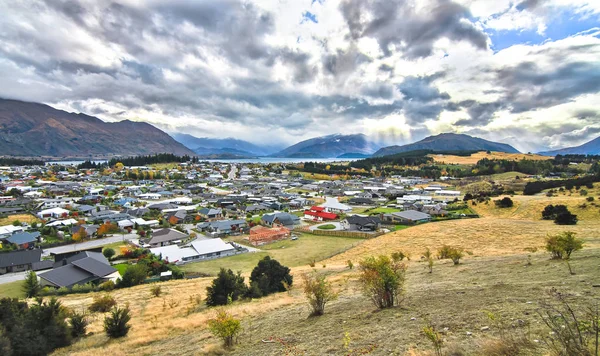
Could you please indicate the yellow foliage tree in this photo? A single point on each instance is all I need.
(80, 235)
(119, 166)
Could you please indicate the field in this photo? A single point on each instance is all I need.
(28, 218)
(11, 290)
(377, 211)
(472, 159)
(299, 252)
(493, 276)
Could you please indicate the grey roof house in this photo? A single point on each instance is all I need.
(18, 261)
(85, 267)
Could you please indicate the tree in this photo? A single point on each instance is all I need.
(560, 214)
(226, 288)
(108, 252)
(382, 280)
(505, 202)
(270, 276)
(225, 327)
(116, 324)
(31, 287)
(80, 234)
(134, 275)
(318, 292)
(173, 220)
(562, 245)
(565, 218)
(79, 324)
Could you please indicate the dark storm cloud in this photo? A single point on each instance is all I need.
(528, 4)
(378, 90)
(395, 22)
(424, 101)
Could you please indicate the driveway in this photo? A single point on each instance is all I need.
(337, 225)
(12, 277)
(90, 244)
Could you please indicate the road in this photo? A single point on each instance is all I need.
(12, 277)
(90, 244)
(232, 172)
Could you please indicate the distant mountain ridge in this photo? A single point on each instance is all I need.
(210, 146)
(330, 146)
(33, 129)
(589, 148)
(448, 142)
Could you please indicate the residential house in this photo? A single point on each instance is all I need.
(284, 219)
(24, 240)
(317, 213)
(260, 235)
(361, 223)
(410, 217)
(18, 261)
(210, 213)
(197, 251)
(84, 267)
(164, 237)
(332, 205)
(224, 227)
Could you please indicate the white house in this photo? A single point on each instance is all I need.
(52, 213)
(332, 205)
(198, 251)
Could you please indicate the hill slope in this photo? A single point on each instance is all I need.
(330, 147)
(589, 148)
(32, 129)
(448, 142)
(206, 145)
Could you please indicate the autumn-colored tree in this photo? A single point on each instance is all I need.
(197, 218)
(173, 220)
(107, 228)
(64, 215)
(80, 235)
(119, 166)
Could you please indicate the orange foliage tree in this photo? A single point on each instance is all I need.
(173, 220)
(80, 235)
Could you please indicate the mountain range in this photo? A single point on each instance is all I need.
(589, 148)
(31, 129)
(331, 146)
(216, 146)
(38, 130)
(448, 142)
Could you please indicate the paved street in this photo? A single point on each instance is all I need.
(232, 172)
(90, 244)
(12, 277)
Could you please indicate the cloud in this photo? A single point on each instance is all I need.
(288, 70)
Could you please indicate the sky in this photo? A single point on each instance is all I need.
(276, 72)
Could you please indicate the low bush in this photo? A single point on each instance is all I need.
(116, 324)
(225, 327)
(382, 280)
(505, 202)
(562, 245)
(318, 291)
(452, 253)
(102, 304)
(155, 290)
(79, 324)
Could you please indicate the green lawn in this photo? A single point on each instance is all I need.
(383, 211)
(290, 253)
(121, 267)
(326, 227)
(12, 290)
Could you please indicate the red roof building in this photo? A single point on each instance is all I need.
(318, 213)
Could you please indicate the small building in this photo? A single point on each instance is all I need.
(164, 237)
(198, 251)
(18, 261)
(260, 235)
(318, 213)
(409, 217)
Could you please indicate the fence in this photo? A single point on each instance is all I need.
(350, 234)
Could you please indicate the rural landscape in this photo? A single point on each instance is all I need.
(300, 177)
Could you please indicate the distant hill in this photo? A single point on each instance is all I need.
(448, 142)
(353, 155)
(589, 148)
(208, 146)
(331, 146)
(32, 129)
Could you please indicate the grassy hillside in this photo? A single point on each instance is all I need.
(494, 277)
(472, 159)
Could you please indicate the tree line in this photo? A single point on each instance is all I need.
(152, 159)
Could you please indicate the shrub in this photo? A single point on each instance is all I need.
(590, 199)
(270, 276)
(225, 327)
(107, 286)
(399, 256)
(102, 304)
(562, 245)
(350, 264)
(116, 324)
(560, 214)
(382, 280)
(79, 324)
(156, 290)
(133, 276)
(429, 257)
(31, 287)
(436, 339)
(318, 292)
(450, 252)
(108, 252)
(226, 288)
(565, 218)
(505, 202)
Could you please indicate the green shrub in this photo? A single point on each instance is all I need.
(31, 287)
(318, 292)
(107, 286)
(108, 253)
(156, 290)
(102, 304)
(79, 324)
(452, 253)
(505, 202)
(133, 276)
(225, 327)
(270, 276)
(116, 324)
(562, 245)
(399, 256)
(226, 288)
(382, 280)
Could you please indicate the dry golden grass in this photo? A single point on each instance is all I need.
(450, 159)
(28, 218)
